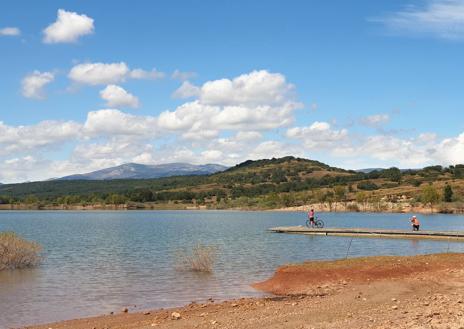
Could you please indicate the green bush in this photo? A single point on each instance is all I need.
(367, 186)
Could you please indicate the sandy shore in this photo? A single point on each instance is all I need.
(374, 292)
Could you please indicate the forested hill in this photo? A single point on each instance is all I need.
(263, 184)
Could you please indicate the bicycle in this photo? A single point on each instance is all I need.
(318, 223)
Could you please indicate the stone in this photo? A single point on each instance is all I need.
(125, 310)
(175, 316)
(394, 307)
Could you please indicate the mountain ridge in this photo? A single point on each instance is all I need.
(141, 171)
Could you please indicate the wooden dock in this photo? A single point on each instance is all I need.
(372, 233)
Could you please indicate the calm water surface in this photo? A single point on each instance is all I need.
(98, 262)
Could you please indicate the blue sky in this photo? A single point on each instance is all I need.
(87, 84)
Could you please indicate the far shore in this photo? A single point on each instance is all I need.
(352, 206)
(373, 292)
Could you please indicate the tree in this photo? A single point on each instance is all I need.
(31, 199)
(362, 197)
(430, 196)
(393, 174)
(328, 198)
(447, 193)
(340, 192)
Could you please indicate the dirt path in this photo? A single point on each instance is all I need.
(375, 292)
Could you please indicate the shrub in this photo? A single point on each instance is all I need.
(16, 252)
(447, 193)
(200, 258)
(367, 186)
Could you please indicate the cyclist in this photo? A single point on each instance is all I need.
(311, 216)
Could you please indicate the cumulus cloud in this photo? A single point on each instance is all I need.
(32, 85)
(252, 89)
(318, 136)
(43, 134)
(68, 27)
(10, 31)
(259, 100)
(99, 73)
(116, 96)
(109, 73)
(110, 122)
(226, 127)
(437, 18)
(451, 150)
(186, 90)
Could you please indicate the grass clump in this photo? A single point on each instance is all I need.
(200, 258)
(16, 252)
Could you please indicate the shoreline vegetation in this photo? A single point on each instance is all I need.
(423, 291)
(287, 183)
(352, 206)
(18, 253)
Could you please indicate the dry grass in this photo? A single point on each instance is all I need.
(200, 258)
(16, 252)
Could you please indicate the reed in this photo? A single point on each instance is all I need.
(200, 258)
(16, 252)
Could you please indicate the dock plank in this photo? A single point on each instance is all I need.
(372, 233)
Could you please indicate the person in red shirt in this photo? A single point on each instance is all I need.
(311, 216)
(415, 223)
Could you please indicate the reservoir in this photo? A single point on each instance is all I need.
(100, 262)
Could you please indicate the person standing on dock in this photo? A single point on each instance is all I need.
(311, 216)
(415, 223)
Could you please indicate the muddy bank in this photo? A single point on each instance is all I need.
(305, 278)
(375, 292)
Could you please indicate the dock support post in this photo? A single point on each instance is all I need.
(348, 250)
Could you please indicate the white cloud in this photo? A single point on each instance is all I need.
(109, 73)
(225, 128)
(450, 150)
(256, 101)
(45, 133)
(438, 18)
(116, 96)
(183, 76)
(10, 31)
(252, 89)
(318, 136)
(33, 84)
(375, 120)
(68, 27)
(186, 90)
(146, 75)
(99, 73)
(111, 122)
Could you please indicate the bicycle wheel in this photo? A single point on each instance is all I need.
(308, 224)
(319, 223)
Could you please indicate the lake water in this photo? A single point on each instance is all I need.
(98, 262)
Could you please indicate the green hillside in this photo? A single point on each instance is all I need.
(269, 183)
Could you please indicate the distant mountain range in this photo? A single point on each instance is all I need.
(368, 170)
(141, 171)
